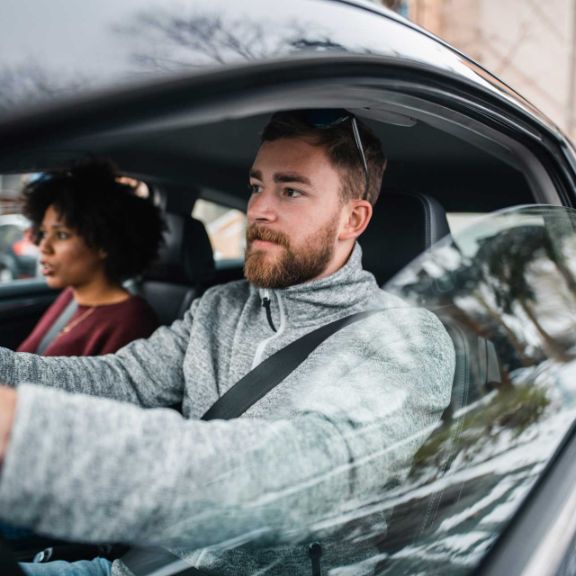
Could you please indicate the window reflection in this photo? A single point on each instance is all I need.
(506, 291)
(445, 490)
(202, 38)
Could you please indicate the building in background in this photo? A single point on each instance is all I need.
(529, 44)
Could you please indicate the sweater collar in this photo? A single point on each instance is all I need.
(317, 300)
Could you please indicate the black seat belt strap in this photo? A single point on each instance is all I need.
(259, 381)
(246, 392)
(59, 323)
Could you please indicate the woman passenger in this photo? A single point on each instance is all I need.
(93, 233)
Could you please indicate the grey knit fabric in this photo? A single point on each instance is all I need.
(240, 495)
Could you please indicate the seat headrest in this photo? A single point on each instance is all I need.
(187, 256)
(402, 227)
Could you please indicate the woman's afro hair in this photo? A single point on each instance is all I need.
(106, 212)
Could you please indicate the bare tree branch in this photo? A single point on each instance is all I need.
(172, 42)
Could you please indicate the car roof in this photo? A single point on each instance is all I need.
(134, 42)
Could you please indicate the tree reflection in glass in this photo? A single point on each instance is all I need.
(506, 291)
(201, 38)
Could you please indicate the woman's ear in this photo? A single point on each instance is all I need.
(357, 216)
(102, 254)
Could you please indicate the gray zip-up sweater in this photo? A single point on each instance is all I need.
(241, 494)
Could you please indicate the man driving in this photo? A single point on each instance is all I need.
(84, 458)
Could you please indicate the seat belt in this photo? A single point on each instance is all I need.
(232, 404)
(59, 323)
(269, 373)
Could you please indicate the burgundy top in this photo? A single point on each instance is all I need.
(93, 330)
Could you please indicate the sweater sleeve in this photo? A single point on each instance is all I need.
(97, 470)
(146, 372)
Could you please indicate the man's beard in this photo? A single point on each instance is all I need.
(289, 267)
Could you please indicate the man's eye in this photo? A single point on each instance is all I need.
(254, 188)
(62, 235)
(292, 193)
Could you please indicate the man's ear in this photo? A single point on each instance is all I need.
(357, 216)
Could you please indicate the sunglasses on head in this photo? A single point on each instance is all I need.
(329, 118)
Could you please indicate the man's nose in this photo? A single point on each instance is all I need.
(262, 207)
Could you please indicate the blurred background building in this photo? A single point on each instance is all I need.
(529, 44)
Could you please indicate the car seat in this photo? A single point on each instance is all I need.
(402, 227)
(184, 269)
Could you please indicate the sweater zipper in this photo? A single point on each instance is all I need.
(266, 303)
(265, 296)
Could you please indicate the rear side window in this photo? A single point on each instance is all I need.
(226, 229)
(18, 254)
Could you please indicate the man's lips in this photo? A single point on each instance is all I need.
(263, 243)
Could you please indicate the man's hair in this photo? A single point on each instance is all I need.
(338, 141)
(106, 213)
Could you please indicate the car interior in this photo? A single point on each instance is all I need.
(210, 160)
(439, 164)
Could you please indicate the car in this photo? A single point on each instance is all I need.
(18, 254)
(475, 223)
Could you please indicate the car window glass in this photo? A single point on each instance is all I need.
(432, 497)
(18, 254)
(226, 229)
(505, 289)
(459, 221)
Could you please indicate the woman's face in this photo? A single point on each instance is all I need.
(65, 258)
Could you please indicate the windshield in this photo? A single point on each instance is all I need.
(435, 499)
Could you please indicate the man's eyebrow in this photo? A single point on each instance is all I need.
(287, 177)
(283, 177)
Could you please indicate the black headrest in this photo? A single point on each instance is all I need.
(402, 227)
(187, 256)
